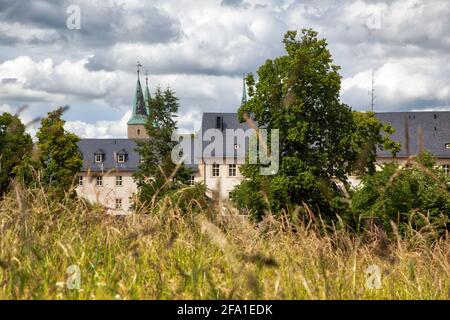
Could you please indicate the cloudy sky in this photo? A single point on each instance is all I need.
(201, 49)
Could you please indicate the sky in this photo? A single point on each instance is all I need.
(202, 48)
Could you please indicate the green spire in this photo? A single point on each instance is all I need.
(147, 96)
(139, 106)
(244, 91)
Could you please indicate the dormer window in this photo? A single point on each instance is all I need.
(98, 156)
(219, 123)
(447, 146)
(121, 156)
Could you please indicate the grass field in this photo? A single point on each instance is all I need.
(202, 256)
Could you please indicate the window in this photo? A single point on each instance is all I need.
(138, 132)
(121, 158)
(236, 146)
(215, 170)
(191, 180)
(446, 168)
(98, 158)
(80, 180)
(118, 203)
(99, 181)
(447, 146)
(232, 170)
(141, 158)
(219, 123)
(118, 181)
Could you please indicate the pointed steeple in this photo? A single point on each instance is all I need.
(147, 96)
(244, 91)
(139, 106)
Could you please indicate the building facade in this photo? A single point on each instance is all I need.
(108, 164)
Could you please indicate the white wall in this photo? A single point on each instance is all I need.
(109, 192)
(222, 184)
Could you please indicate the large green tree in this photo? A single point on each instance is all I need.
(157, 175)
(15, 146)
(60, 159)
(320, 137)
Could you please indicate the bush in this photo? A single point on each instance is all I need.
(410, 194)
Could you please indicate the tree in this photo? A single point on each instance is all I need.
(157, 175)
(60, 159)
(406, 194)
(15, 145)
(320, 137)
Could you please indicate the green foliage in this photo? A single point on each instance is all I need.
(369, 133)
(320, 137)
(158, 175)
(406, 195)
(15, 146)
(60, 159)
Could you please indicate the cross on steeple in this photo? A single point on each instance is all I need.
(138, 65)
(146, 76)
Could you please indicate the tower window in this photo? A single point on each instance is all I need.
(138, 132)
(435, 116)
(215, 170)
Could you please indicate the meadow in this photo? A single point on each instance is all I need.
(208, 254)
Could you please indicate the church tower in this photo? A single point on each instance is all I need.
(136, 124)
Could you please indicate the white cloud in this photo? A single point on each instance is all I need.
(401, 82)
(45, 81)
(100, 129)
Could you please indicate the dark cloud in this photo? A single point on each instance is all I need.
(101, 24)
(44, 14)
(235, 3)
(9, 80)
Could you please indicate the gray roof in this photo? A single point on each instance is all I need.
(110, 148)
(435, 127)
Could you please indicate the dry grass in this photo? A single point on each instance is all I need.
(205, 255)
